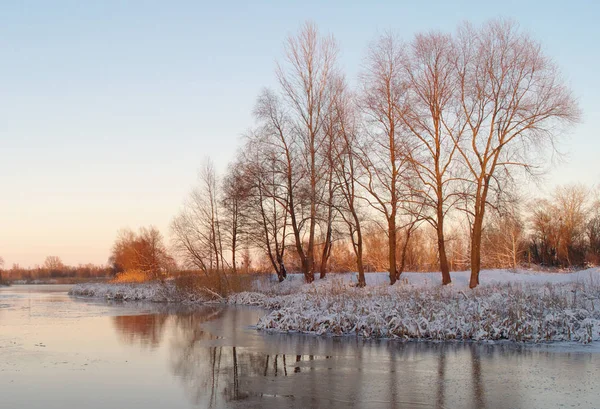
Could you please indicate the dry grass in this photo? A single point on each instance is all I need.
(223, 284)
(219, 284)
(131, 276)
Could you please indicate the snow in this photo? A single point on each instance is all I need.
(459, 278)
(522, 306)
(516, 306)
(154, 292)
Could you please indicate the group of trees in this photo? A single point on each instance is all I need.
(144, 251)
(566, 229)
(53, 268)
(414, 167)
(437, 131)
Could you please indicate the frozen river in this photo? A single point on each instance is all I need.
(60, 352)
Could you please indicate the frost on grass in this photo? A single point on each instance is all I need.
(153, 291)
(526, 309)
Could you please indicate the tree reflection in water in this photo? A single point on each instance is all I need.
(145, 330)
(222, 364)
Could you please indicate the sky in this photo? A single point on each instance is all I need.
(109, 108)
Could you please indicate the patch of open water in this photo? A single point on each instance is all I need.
(60, 352)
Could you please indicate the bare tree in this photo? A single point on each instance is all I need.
(503, 239)
(593, 234)
(266, 177)
(234, 203)
(346, 168)
(197, 231)
(53, 263)
(430, 116)
(571, 212)
(514, 102)
(295, 124)
(383, 151)
(543, 233)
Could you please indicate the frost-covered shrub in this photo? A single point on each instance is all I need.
(523, 312)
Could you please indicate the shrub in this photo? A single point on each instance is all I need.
(131, 276)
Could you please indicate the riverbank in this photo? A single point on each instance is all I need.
(518, 306)
(158, 292)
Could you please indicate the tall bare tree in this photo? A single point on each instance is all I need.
(430, 116)
(514, 103)
(383, 155)
(197, 230)
(346, 167)
(267, 167)
(305, 79)
(234, 202)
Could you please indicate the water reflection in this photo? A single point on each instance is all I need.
(145, 330)
(76, 353)
(221, 364)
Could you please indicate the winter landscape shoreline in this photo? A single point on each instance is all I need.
(520, 306)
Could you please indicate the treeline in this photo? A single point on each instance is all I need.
(53, 268)
(565, 229)
(413, 167)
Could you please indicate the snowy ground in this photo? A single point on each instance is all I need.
(521, 306)
(517, 306)
(153, 292)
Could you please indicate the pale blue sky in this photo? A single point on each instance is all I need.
(108, 108)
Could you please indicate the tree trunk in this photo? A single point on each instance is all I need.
(445, 269)
(476, 249)
(309, 275)
(443, 259)
(392, 249)
(324, 261)
(361, 269)
(403, 256)
(359, 254)
(281, 272)
(326, 252)
(233, 251)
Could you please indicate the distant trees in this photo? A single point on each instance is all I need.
(65, 272)
(564, 229)
(504, 240)
(144, 251)
(593, 233)
(1, 267)
(53, 264)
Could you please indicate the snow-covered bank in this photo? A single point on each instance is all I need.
(154, 292)
(523, 306)
(459, 278)
(516, 306)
